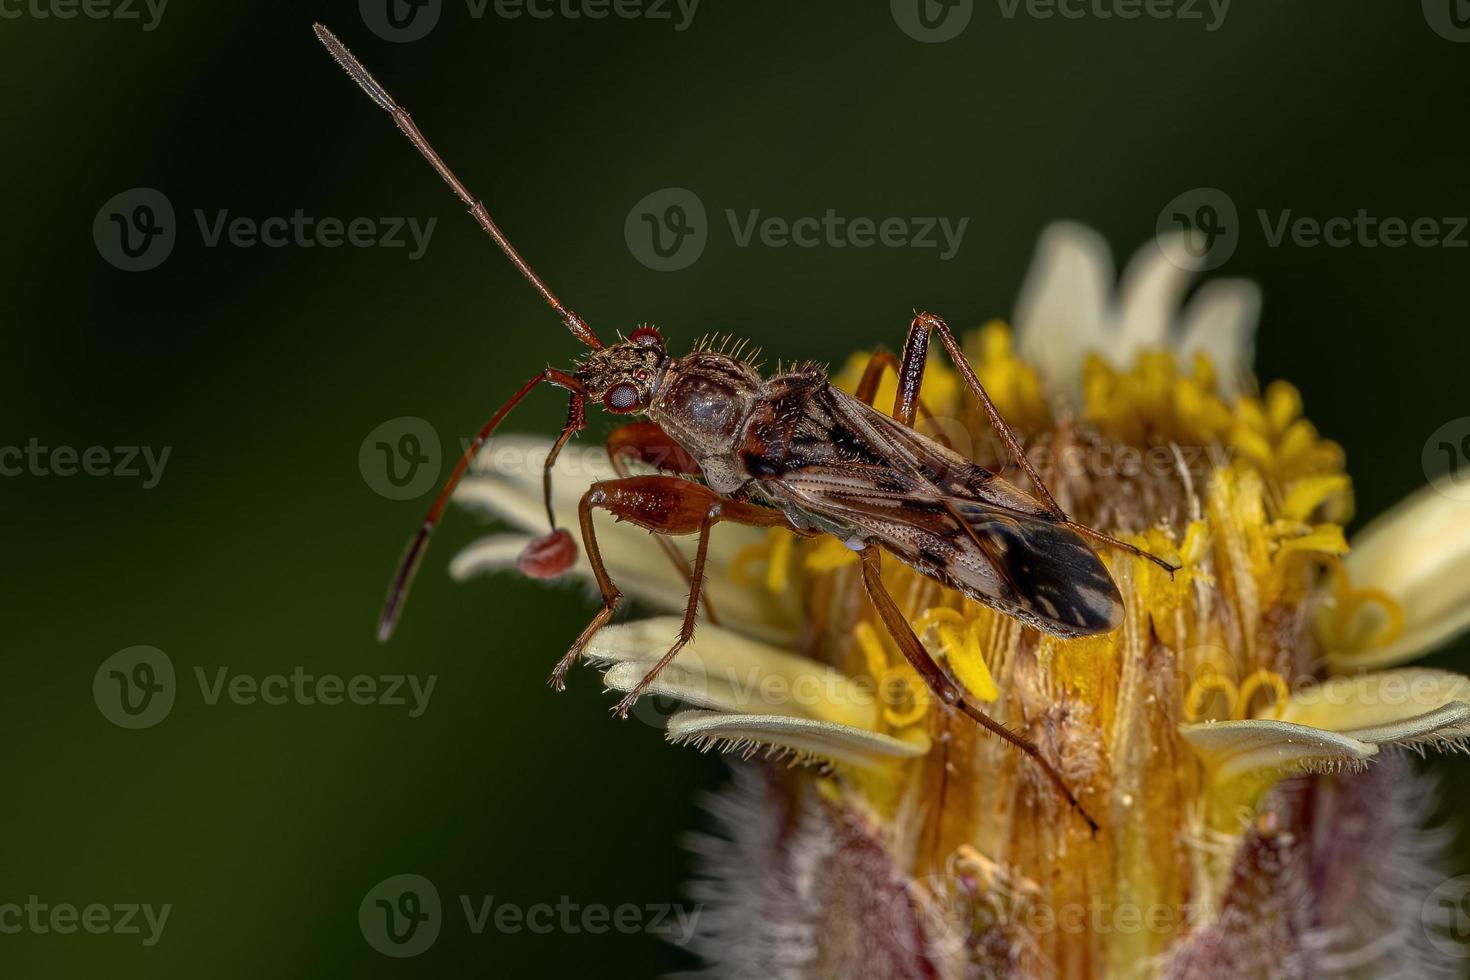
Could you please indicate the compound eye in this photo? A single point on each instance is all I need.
(621, 397)
(646, 337)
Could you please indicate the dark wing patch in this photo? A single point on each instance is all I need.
(1052, 569)
(952, 520)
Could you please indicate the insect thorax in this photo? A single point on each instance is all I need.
(702, 402)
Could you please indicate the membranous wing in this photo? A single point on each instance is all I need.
(873, 479)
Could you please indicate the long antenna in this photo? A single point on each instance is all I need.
(378, 94)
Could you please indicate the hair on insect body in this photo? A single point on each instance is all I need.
(789, 451)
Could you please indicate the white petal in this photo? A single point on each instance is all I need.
(723, 669)
(800, 738)
(494, 553)
(1410, 706)
(1443, 728)
(691, 687)
(641, 570)
(1237, 748)
(520, 459)
(1220, 322)
(1418, 553)
(505, 479)
(1149, 298)
(1062, 305)
(643, 580)
(504, 501)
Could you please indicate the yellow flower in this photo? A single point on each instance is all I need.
(1233, 738)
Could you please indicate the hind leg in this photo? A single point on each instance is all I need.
(905, 404)
(946, 690)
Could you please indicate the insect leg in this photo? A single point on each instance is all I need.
(691, 611)
(1112, 542)
(663, 505)
(867, 389)
(611, 596)
(911, 377)
(408, 565)
(945, 689)
(647, 442)
(881, 361)
(576, 422)
(550, 555)
(720, 509)
(650, 444)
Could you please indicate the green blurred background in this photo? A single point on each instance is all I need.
(263, 548)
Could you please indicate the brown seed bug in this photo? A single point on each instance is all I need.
(793, 452)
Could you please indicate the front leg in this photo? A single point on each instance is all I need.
(664, 505)
(648, 443)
